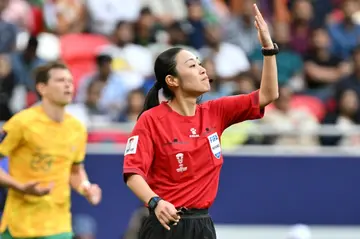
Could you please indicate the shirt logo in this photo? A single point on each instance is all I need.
(215, 146)
(180, 159)
(2, 135)
(131, 145)
(193, 133)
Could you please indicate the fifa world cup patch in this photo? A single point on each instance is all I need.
(2, 135)
(131, 145)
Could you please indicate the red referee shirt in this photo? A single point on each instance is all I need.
(180, 156)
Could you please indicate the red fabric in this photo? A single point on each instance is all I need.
(315, 106)
(38, 20)
(81, 46)
(31, 98)
(78, 51)
(182, 164)
(104, 136)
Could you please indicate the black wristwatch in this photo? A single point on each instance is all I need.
(270, 52)
(153, 202)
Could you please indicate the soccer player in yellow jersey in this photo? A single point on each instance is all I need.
(46, 148)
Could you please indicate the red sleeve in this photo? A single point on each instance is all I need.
(234, 109)
(139, 151)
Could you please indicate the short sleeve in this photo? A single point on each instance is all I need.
(10, 135)
(234, 109)
(81, 148)
(139, 151)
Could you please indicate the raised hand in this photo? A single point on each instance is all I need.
(262, 28)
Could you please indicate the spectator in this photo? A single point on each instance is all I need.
(146, 28)
(353, 80)
(345, 34)
(167, 12)
(176, 35)
(65, 16)
(135, 103)
(322, 68)
(105, 14)
(7, 86)
(25, 62)
(344, 117)
(245, 83)
(302, 13)
(229, 59)
(19, 13)
(8, 31)
(196, 35)
(129, 57)
(109, 85)
(286, 119)
(240, 29)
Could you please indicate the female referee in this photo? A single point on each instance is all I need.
(173, 157)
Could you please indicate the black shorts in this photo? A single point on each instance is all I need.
(194, 224)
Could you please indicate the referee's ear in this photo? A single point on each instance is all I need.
(151, 99)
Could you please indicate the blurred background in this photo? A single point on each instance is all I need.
(291, 175)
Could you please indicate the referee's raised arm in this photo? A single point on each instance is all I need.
(269, 90)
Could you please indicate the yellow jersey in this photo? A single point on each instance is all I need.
(42, 150)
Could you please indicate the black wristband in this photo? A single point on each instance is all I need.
(153, 202)
(270, 52)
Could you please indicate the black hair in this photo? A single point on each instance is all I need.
(32, 42)
(165, 64)
(145, 11)
(41, 73)
(102, 58)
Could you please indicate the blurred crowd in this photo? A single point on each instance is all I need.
(110, 46)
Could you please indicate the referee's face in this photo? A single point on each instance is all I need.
(193, 78)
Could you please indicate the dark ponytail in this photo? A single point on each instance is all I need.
(165, 64)
(151, 99)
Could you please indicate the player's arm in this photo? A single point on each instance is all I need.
(78, 177)
(10, 138)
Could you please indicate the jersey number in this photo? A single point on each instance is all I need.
(41, 162)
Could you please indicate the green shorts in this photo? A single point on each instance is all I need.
(6, 235)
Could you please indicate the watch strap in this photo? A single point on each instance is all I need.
(270, 52)
(153, 202)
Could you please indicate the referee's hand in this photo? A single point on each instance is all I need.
(166, 213)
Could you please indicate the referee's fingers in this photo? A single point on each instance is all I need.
(173, 214)
(164, 224)
(168, 216)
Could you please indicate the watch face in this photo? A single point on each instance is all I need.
(153, 202)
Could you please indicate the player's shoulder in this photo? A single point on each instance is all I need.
(26, 115)
(75, 123)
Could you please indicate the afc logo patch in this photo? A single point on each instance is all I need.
(2, 135)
